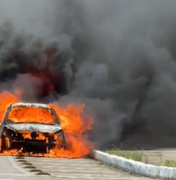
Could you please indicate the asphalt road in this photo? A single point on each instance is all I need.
(36, 168)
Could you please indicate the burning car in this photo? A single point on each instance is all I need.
(21, 128)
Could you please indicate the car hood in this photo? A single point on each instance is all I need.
(44, 128)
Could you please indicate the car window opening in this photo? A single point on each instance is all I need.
(32, 115)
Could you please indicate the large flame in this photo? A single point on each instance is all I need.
(73, 121)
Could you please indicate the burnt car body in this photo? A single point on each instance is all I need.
(32, 137)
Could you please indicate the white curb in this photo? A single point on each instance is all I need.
(135, 167)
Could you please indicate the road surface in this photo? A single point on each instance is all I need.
(39, 168)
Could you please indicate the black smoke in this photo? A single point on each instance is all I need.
(118, 57)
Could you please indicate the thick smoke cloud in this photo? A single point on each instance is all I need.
(124, 55)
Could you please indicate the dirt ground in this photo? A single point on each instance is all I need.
(166, 157)
(159, 156)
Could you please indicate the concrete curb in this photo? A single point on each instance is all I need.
(135, 167)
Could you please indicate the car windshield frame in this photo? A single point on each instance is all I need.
(12, 106)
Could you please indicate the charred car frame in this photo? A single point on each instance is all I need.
(32, 137)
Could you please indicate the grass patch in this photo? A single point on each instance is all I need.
(169, 163)
(135, 155)
(138, 155)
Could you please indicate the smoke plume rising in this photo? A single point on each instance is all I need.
(124, 58)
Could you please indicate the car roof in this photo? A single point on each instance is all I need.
(36, 105)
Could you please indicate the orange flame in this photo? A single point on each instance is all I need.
(73, 121)
(30, 114)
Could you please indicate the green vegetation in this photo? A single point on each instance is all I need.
(139, 156)
(134, 155)
(169, 163)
